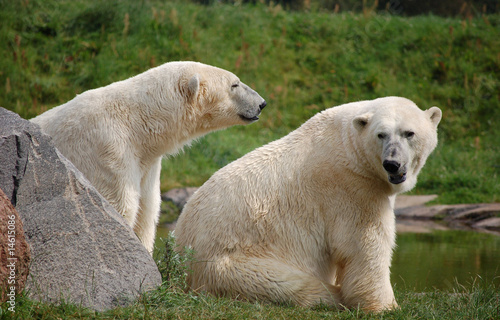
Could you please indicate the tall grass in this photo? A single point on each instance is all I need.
(300, 62)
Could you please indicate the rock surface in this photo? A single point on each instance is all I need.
(404, 201)
(179, 196)
(479, 216)
(14, 251)
(82, 250)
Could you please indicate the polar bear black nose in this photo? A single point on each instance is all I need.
(262, 105)
(391, 166)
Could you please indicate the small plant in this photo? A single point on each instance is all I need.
(172, 264)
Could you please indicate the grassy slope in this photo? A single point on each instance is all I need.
(300, 62)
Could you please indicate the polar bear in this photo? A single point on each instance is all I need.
(116, 135)
(309, 218)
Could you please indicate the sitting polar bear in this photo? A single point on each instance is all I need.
(116, 135)
(309, 218)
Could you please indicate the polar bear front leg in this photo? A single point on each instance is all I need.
(121, 189)
(149, 207)
(365, 282)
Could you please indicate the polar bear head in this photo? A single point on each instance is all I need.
(397, 138)
(218, 95)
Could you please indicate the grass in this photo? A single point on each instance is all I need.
(170, 301)
(476, 304)
(466, 171)
(301, 63)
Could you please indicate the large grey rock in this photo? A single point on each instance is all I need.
(82, 250)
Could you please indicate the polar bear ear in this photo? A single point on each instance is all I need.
(435, 115)
(361, 121)
(193, 86)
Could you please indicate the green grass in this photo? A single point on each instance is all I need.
(299, 62)
(170, 301)
(475, 304)
(463, 172)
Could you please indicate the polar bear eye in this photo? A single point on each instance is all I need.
(236, 85)
(381, 136)
(409, 134)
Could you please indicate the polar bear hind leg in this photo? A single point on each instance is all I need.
(265, 279)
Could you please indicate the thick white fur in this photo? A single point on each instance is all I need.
(116, 135)
(309, 218)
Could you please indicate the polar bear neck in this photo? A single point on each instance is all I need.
(351, 157)
(160, 110)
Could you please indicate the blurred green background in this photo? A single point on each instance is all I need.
(301, 56)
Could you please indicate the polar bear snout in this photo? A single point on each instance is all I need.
(253, 114)
(253, 102)
(397, 172)
(262, 105)
(391, 166)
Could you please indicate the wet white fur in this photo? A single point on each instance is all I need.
(308, 218)
(116, 135)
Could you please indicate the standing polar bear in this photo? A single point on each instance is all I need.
(116, 135)
(309, 218)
